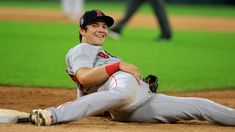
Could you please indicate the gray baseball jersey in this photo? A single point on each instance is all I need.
(86, 55)
(127, 100)
(90, 56)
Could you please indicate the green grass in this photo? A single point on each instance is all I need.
(195, 10)
(191, 61)
(33, 54)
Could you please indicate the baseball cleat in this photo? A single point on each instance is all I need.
(41, 117)
(166, 36)
(114, 35)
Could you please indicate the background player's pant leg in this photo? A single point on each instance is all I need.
(66, 6)
(161, 16)
(173, 109)
(119, 91)
(79, 4)
(77, 10)
(131, 8)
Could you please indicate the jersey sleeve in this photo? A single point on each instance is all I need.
(83, 56)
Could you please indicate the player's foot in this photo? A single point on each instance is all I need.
(41, 117)
(166, 36)
(114, 34)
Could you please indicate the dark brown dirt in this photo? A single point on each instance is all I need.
(26, 99)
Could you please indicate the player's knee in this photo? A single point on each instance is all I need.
(126, 87)
(122, 101)
(130, 76)
(127, 98)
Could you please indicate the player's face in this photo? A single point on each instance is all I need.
(95, 34)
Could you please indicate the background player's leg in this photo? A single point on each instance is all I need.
(66, 6)
(173, 109)
(121, 89)
(131, 8)
(77, 10)
(161, 16)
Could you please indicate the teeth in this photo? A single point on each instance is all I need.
(100, 36)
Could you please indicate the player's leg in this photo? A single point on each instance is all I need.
(173, 109)
(66, 7)
(169, 109)
(116, 93)
(79, 7)
(131, 8)
(161, 16)
(77, 10)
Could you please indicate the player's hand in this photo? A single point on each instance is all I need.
(132, 69)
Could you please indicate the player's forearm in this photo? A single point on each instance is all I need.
(98, 75)
(93, 76)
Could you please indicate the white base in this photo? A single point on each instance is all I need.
(11, 116)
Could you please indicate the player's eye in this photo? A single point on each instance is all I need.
(105, 26)
(94, 25)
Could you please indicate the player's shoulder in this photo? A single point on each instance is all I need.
(85, 46)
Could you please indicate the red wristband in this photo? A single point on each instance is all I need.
(112, 68)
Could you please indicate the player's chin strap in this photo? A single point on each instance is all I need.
(74, 78)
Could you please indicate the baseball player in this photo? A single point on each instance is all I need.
(159, 12)
(106, 83)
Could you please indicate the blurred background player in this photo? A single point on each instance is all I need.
(72, 9)
(159, 11)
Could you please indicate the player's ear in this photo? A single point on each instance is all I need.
(82, 31)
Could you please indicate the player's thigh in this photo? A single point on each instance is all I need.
(121, 80)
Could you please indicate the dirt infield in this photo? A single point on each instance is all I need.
(26, 99)
(139, 20)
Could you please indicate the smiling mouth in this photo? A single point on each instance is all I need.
(100, 36)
